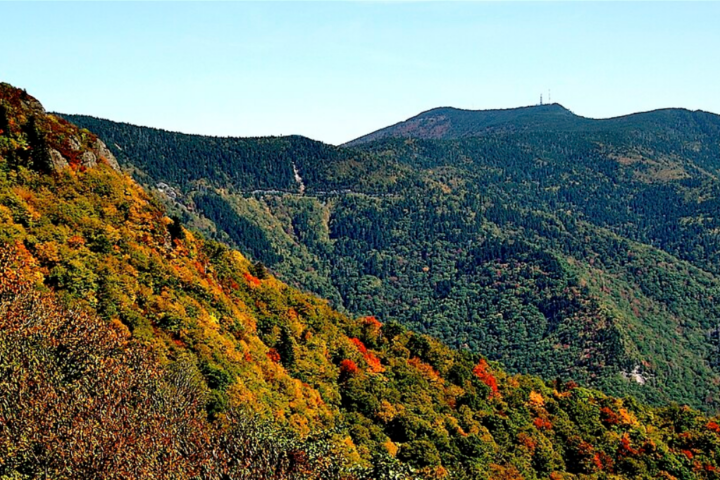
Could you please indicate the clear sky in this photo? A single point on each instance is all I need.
(335, 71)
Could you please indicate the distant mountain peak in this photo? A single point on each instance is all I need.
(545, 108)
(451, 122)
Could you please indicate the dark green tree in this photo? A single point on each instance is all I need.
(286, 347)
(175, 229)
(259, 270)
(4, 124)
(39, 152)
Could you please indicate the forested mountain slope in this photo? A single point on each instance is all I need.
(241, 165)
(133, 347)
(453, 123)
(108, 307)
(560, 246)
(448, 122)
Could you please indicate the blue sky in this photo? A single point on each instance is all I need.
(335, 71)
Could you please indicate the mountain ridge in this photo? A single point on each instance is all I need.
(94, 275)
(535, 248)
(453, 123)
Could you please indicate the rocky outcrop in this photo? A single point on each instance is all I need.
(99, 153)
(88, 159)
(58, 161)
(104, 153)
(74, 143)
(32, 105)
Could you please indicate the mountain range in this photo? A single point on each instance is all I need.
(558, 245)
(453, 123)
(137, 343)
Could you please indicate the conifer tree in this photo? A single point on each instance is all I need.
(39, 149)
(4, 124)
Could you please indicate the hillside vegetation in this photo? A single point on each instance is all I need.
(558, 245)
(118, 323)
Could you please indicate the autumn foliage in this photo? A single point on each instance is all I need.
(482, 371)
(124, 354)
(79, 396)
(609, 417)
(348, 368)
(373, 362)
(427, 370)
(626, 448)
(542, 424)
(252, 280)
(273, 355)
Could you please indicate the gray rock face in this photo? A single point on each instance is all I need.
(166, 189)
(74, 143)
(88, 160)
(98, 153)
(33, 106)
(103, 153)
(58, 161)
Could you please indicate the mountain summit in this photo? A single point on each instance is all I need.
(445, 123)
(450, 122)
